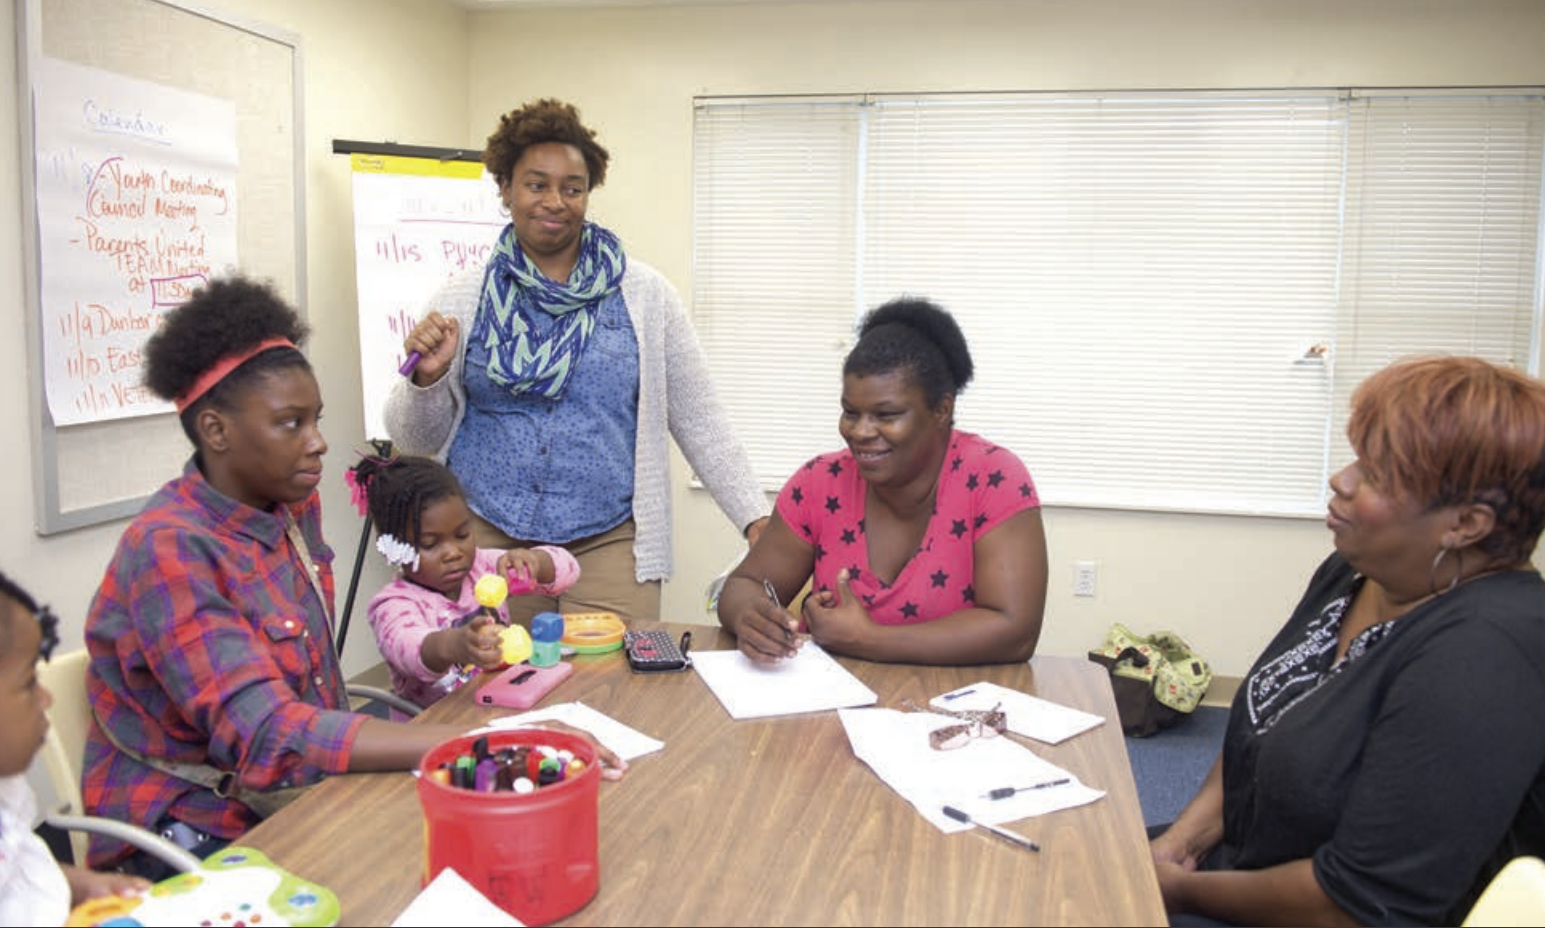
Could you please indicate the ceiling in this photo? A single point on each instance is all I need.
(574, 4)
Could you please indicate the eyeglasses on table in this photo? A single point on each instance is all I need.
(981, 723)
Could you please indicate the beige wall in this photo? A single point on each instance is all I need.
(1225, 583)
(427, 72)
(374, 70)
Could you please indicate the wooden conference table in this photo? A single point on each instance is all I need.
(770, 821)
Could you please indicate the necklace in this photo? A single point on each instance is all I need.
(1488, 572)
(1397, 610)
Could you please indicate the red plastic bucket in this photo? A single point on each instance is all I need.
(532, 854)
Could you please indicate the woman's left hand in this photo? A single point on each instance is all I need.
(1171, 885)
(836, 618)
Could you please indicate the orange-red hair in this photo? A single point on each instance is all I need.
(1449, 430)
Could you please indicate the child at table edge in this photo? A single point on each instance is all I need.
(35, 889)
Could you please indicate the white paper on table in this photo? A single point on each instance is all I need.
(895, 745)
(451, 900)
(1028, 715)
(810, 681)
(627, 743)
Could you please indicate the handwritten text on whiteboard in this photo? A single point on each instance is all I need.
(136, 209)
(417, 221)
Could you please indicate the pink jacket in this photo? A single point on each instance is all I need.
(403, 614)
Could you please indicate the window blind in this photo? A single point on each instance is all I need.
(775, 244)
(1443, 233)
(1169, 296)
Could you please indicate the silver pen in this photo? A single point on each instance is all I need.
(772, 594)
(1003, 833)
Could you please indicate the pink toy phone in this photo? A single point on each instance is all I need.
(521, 685)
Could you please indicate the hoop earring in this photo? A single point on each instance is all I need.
(1459, 570)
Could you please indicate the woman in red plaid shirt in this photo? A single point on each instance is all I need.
(213, 678)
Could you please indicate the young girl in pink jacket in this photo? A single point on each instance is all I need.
(428, 622)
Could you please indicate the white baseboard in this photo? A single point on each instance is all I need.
(1221, 692)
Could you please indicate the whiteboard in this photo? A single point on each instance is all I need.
(136, 194)
(417, 221)
(104, 468)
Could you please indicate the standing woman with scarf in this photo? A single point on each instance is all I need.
(549, 379)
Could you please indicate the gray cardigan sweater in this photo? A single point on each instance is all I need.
(675, 394)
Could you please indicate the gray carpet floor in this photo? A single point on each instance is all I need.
(1170, 766)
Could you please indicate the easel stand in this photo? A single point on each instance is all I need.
(348, 602)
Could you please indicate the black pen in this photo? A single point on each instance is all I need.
(1004, 792)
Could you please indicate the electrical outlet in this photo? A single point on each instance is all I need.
(1083, 577)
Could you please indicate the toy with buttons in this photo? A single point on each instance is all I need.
(235, 887)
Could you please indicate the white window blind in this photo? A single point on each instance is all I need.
(1168, 296)
(1443, 233)
(775, 241)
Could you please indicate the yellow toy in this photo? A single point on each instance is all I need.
(517, 643)
(491, 592)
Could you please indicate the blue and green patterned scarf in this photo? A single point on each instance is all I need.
(519, 358)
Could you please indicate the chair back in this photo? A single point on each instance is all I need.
(1515, 896)
(64, 751)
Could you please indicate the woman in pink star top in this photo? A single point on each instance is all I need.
(923, 543)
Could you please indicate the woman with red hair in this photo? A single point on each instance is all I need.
(1385, 755)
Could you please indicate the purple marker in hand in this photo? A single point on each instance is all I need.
(406, 369)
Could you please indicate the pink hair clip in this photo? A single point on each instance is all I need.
(357, 494)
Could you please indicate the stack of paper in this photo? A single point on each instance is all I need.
(810, 681)
(895, 745)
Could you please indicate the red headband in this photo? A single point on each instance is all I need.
(222, 369)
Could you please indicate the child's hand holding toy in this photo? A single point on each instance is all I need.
(478, 644)
(512, 643)
(526, 568)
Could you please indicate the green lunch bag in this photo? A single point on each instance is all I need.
(1157, 680)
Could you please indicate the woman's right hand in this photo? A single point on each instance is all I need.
(435, 339)
(764, 631)
(1169, 848)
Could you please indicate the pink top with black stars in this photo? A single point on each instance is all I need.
(982, 484)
